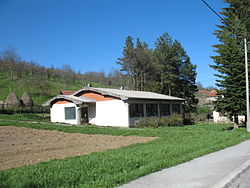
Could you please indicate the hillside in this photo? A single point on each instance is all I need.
(19, 76)
(19, 86)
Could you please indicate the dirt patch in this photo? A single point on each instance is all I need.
(22, 146)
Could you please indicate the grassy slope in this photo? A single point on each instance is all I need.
(114, 167)
(17, 87)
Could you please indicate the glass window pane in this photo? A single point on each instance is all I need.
(165, 109)
(70, 113)
(176, 108)
(136, 110)
(152, 109)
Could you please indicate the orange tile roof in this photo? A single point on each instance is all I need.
(66, 92)
(208, 93)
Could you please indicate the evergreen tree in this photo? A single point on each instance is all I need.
(136, 62)
(230, 59)
(166, 69)
(176, 72)
(188, 87)
(167, 65)
(128, 60)
(144, 64)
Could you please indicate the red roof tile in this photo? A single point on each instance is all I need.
(66, 92)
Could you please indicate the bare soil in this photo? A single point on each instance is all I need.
(24, 146)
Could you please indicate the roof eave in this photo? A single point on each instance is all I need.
(101, 92)
(67, 97)
(136, 98)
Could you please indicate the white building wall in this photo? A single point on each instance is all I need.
(57, 113)
(223, 119)
(220, 119)
(109, 113)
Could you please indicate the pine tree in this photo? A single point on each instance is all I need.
(166, 69)
(167, 65)
(128, 61)
(136, 62)
(188, 87)
(144, 64)
(176, 72)
(229, 62)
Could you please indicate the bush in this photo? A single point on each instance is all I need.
(189, 118)
(147, 122)
(154, 122)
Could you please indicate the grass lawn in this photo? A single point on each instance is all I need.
(175, 145)
(26, 117)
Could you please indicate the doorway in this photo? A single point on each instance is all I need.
(84, 115)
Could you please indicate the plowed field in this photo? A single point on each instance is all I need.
(23, 146)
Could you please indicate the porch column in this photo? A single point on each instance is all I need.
(171, 109)
(144, 110)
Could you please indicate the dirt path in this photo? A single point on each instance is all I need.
(22, 146)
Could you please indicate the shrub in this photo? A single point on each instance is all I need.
(189, 118)
(147, 122)
(154, 122)
(175, 120)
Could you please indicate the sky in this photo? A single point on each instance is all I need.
(90, 35)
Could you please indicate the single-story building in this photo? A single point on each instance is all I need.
(111, 107)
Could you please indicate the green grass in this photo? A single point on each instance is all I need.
(26, 117)
(175, 145)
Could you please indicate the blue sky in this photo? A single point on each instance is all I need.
(90, 35)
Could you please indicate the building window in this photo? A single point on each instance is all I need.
(136, 110)
(152, 109)
(165, 109)
(176, 108)
(70, 113)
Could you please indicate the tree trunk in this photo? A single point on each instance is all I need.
(236, 121)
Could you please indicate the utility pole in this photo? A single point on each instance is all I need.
(247, 87)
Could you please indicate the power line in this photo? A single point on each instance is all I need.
(212, 9)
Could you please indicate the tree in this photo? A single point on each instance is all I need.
(187, 86)
(136, 62)
(10, 59)
(127, 62)
(167, 69)
(229, 63)
(67, 75)
(167, 65)
(176, 72)
(143, 64)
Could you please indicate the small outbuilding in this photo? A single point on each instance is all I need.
(111, 107)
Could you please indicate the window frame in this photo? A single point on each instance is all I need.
(68, 113)
(167, 112)
(152, 111)
(136, 110)
(178, 111)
